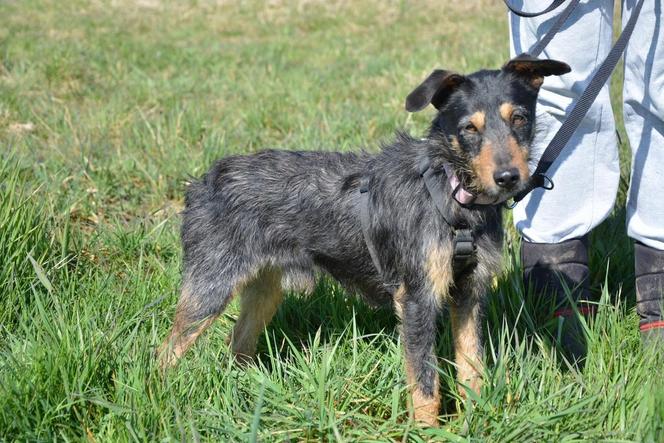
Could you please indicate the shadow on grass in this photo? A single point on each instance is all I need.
(328, 311)
(511, 310)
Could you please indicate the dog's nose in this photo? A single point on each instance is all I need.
(506, 178)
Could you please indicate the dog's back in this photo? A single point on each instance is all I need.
(292, 210)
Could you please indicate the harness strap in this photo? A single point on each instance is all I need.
(463, 254)
(464, 238)
(464, 250)
(581, 107)
(435, 191)
(366, 223)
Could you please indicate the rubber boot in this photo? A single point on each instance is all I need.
(560, 271)
(649, 270)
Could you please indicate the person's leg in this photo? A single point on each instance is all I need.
(586, 175)
(560, 271)
(644, 122)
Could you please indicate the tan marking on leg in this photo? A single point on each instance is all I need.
(184, 333)
(425, 408)
(484, 165)
(258, 303)
(506, 109)
(478, 119)
(178, 342)
(467, 346)
(519, 157)
(399, 296)
(439, 272)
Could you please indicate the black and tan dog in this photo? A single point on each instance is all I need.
(259, 224)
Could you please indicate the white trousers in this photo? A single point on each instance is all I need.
(587, 173)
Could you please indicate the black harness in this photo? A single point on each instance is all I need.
(464, 250)
(463, 236)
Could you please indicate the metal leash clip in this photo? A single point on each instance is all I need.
(538, 180)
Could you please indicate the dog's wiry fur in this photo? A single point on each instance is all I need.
(260, 224)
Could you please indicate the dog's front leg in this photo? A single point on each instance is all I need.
(418, 311)
(465, 311)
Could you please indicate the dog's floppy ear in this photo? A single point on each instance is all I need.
(533, 70)
(435, 90)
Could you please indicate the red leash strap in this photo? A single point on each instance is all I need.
(652, 325)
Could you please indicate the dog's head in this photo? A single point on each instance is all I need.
(486, 121)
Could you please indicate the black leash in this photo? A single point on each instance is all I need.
(554, 4)
(581, 107)
(555, 28)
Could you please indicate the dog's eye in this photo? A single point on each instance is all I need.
(518, 120)
(470, 128)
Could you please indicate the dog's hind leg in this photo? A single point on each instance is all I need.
(260, 298)
(199, 305)
(188, 325)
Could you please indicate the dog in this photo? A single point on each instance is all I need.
(257, 225)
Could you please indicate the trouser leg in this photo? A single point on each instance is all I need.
(555, 223)
(586, 174)
(644, 123)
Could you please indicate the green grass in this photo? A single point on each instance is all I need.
(106, 109)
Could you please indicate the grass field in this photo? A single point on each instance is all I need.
(106, 109)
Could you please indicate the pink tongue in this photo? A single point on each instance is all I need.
(462, 196)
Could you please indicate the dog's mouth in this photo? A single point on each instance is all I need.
(494, 192)
(488, 180)
(502, 195)
(497, 182)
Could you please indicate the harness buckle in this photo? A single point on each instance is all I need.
(464, 249)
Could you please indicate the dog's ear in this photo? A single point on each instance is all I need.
(533, 70)
(435, 90)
